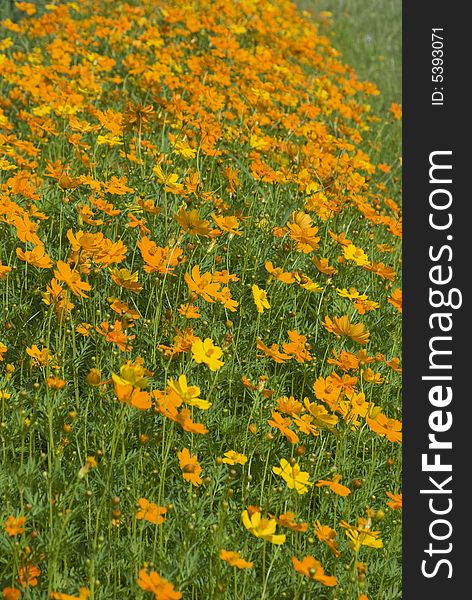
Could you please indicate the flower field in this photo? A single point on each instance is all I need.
(200, 279)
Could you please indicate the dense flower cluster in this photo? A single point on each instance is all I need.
(200, 281)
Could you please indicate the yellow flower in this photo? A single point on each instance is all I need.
(206, 352)
(262, 528)
(351, 294)
(131, 373)
(189, 394)
(260, 298)
(183, 149)
(234, 458)
(361, 535)
(358, 255)
(295, 478)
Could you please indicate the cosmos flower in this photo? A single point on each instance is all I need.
(206, 352)
(343, 327)
(260, 299)
(15, 525)
(327, 535)
(190, 467)
(396, 501)
(188, 394)
(151, 512)
(262, 528)
(71, 279)
(160, 587)
(311, 568)
(234, 458)
(294, 477)
(334, 485)
(234, 559)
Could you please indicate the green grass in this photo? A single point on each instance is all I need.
(368, 34)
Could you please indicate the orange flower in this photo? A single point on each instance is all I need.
(327, 535)
(184, 420)
(277, 273)
(4, 270)
(26, 230)
(133, 396)
(202, 285)
(334, 485)
(323, 266)
(36, 257)
(234, 559)
(15, 525)
(116, 335)
(282, 424)
(383, 426)
(289, 406)
(342, 326)
(190, 221)
(190, 467)
(383, 271)
(396, 110)
(40, 358)
(208, 286)
(117, 186)
(55, 383)
(150, 512)
(303, 233)
(397, 501)
(229, 224)
(273, 352)
(72, 279)
(396, 299)
(189, 311)
(297, 347)
(288, 520)
(311, 568)
(328, 391)
(10, 593)
(127, 280)
(157, 259)
(123, 309)
(83, 329)
(28, 575)
(160, 587)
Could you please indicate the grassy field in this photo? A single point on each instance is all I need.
(200, 280)
(369, 35)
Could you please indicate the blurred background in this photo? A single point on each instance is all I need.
(368, 33)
